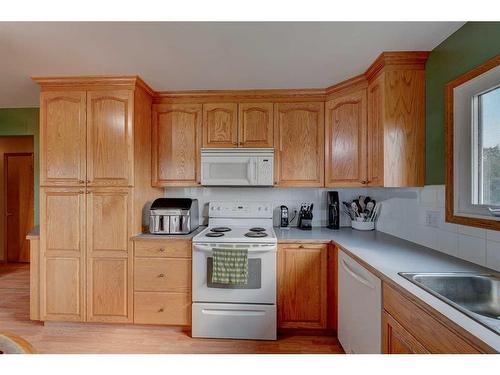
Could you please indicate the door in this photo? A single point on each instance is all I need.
(397, 340)
(255, 125)
(109, 261)
(62, 254)
(18, 205)
(220, 125)
(261, 285)
(110, 157)
(345, 140)
(360, 305)
(302, 285)
(375, 132)
(176, 144)
(63, 138)
(299, 144)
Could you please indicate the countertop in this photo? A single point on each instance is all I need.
(387, 255)
(34, 233)
(149, 236)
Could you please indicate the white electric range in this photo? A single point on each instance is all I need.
(236, 311)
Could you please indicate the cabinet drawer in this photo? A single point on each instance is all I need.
(164, 249)
(162, 308)
(162, 275)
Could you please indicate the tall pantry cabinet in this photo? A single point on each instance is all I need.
(95, 175)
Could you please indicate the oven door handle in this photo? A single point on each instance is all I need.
(260, 249)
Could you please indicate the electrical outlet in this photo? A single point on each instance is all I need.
(432, 218)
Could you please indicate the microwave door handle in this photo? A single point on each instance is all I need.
(255, 172)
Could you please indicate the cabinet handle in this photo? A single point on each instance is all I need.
(160, 310)
(364, 182)
(161, 275)
(161, 250)
(81, 181)
(301, 246)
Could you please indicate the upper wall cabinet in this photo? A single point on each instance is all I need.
(220, 125)
(63, 138)
(299, 144)
(176, 144)
(396, 120)
(109, 138)
(255, 125)
(345, 140)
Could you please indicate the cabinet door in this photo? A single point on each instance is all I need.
(396, 340)
(255, 125)
(299, 144)
(375, 140)
(220, 125)
(109, 261)
(176, 144)
(62, 138)
(109, 138)
(345, 140)
(302, 286)
(62, 254)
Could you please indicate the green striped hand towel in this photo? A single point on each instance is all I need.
(230, 266)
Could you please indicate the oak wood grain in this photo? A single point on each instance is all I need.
(397, 340)
(255, 125)
(220, 125)
(176, 141)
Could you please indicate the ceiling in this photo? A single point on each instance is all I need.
(203, 56)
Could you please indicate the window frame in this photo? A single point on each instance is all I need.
(461, 142)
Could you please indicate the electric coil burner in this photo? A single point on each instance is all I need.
(255, 234)
(214, 234)
(257, 229)
(220, 229)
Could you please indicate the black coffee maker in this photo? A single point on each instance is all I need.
(305, 216)
(333, 210)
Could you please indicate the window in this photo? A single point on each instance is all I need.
(473, 129)
(486, 159)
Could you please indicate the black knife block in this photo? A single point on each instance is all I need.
(305, 220)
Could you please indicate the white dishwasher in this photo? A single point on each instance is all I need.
(359, 307)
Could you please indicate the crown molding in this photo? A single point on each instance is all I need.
(398, 60)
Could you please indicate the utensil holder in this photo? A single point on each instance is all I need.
(363, 225)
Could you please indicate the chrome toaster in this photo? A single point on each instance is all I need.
(173, 216)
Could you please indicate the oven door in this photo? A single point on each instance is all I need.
(261, 285)
(228, 170)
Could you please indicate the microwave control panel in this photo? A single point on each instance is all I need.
(265, 171)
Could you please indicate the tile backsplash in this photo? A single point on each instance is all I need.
(414, 214)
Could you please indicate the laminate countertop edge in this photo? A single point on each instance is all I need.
(34, 233)
(386, 255)
(167, 237)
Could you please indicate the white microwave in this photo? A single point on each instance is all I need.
(237, 166)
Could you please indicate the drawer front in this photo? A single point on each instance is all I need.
(431, 333)
(162, 275)
(163, 249)
(162, 308)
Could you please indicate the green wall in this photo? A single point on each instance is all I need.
(469, 46)
(23, 121)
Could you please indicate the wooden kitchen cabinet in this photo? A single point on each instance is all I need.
(346, 140)
(176, 144)
(409, 328)
(109, 261)
(255, 125)
(220, 125)
(302, 285)
(299, 144)
(63, 138)
(162, 281)
(110, 156)
(62, 254)
(396, 124)
(397, 340)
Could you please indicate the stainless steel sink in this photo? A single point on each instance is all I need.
(476, 295)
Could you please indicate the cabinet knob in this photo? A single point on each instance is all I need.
(161, 275)
(161, 250)
(364, 182)
(160, 310)
(81, 181)
(301, 246)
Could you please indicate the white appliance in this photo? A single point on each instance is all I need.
(236, 311)
(360, 308)
(237, 166)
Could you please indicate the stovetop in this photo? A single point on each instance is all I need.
(237, 234)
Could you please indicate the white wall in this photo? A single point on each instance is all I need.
(403, 214)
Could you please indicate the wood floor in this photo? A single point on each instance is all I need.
(110, 338)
